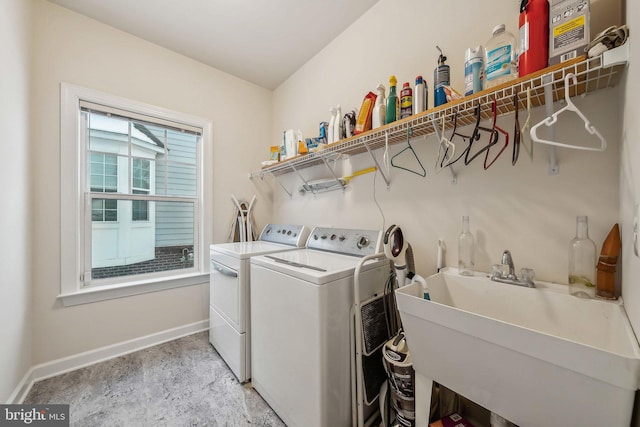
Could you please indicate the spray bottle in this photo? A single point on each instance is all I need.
(337, 126)
(379, 111)
(393, 103)
(332, 124)
(441, 78)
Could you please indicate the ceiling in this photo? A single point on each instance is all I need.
(261, 41)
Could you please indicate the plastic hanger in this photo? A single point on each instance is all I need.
(549, 121)
(475, 136)
(443, 147)
(494, 110)
(524, 130)
(423, 171)
(465, 138)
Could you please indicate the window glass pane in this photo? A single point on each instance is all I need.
(108, 134)
(104, 210)
(181, 147)
(162, 242)
(132, 157)
(103, 172)
(174, 179)
(141, 174)
(140, 210)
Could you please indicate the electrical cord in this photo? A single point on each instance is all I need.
(375, 200)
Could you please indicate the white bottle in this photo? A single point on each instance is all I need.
(332, 124)
(466, 249)
(500, 57)
(337, 124)
(379, 111)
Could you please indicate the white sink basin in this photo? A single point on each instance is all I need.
(536, 356)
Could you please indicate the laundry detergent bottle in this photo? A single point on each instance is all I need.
(500, 57)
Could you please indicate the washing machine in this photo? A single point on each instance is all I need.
(229, 313)
(300, 319)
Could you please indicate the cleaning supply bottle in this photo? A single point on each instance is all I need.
(393, 103)
(582, 261)
(466, 249)
(380, 110)
(441, 78)
(337, 126)
(500, 57)
(420, 96)
(406, 101)
(534, 36)
(473, 70)
(332, 124)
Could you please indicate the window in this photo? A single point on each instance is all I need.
(141, 185)
(138, 193)
(103, 177)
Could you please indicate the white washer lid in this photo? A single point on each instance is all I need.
(244, 250)
(317, 267)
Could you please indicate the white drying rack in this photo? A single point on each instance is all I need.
(242, 220)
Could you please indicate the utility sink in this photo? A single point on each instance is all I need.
(536, 356)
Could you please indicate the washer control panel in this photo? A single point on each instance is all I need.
(346, 241)
(293, 235)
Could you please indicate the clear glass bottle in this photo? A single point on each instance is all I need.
(466, 249)
(582, 261)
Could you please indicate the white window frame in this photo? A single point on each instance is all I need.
(73, 224)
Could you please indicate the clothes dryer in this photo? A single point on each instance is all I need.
(229, 314)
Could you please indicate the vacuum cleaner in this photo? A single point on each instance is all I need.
(397, 392)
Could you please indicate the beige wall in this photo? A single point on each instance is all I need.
(15, 253)
(521, 208)
(72, 48)
(15, 215)
(630, 172)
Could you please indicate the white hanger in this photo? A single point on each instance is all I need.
(444, 146)
(549, 121)
(524, 132)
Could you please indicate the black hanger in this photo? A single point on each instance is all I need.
(475, 136)
(465, 138)
(516, 129)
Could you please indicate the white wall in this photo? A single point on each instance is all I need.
(15, 215)
(630, 172)
(521, 208)
(72, 48)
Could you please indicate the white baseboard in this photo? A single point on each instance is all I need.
(80, 360)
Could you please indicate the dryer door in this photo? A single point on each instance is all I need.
(226, 293)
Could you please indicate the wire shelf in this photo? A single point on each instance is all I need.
(592, 75)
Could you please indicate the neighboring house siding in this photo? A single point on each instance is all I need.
(174, 221)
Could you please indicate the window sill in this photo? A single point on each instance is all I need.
(103, 293)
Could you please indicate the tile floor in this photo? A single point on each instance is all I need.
(179, 383)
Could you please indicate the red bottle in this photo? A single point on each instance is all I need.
(534, 36)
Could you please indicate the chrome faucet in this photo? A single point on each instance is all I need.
(507, 260)
(526, 274)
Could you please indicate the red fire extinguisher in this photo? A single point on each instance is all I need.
(534, 36)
